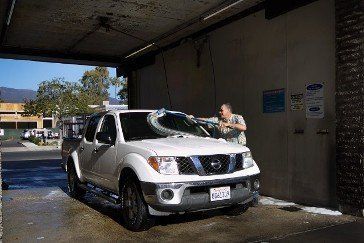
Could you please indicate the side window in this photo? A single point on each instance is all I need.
(91, 128)
(108, 126)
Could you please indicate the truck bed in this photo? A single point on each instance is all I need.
(68, 146)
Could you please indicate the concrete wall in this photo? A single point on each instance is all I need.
(242, 60)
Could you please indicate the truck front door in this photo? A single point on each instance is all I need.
(105, 154)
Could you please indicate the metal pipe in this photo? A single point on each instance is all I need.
(222, 10)
(10, 12)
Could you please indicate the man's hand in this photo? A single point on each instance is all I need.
(224, 124)
(190, 117)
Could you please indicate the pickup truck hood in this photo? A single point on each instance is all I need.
(188, 146)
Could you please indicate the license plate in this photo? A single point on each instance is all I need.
(219, 193)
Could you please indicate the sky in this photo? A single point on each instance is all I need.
(22, 74)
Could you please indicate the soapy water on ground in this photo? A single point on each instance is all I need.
(315, 210)
(55, 194)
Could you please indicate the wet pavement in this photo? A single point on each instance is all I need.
(36, 207)
(12, 143)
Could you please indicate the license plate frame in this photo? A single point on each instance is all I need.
(220, 193)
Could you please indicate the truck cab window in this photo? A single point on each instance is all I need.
(109, 127)
(91, 128)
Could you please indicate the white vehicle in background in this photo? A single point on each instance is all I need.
(151, 174)
(38, 132)
(25, 134)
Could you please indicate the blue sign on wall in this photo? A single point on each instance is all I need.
(273, 101)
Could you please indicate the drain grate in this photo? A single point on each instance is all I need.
(291, 209)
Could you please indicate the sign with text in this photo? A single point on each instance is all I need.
(273, 101)
(297, 102)
(315, 100)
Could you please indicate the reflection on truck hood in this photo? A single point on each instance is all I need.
(182, 146)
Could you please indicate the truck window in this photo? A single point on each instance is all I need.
(108, 126)
(91, 128)
(136, 127)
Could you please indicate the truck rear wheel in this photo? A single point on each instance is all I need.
(73, 182)
(134, 209)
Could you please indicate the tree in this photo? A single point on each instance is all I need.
(95, 84)
(57, 97)
(123, 92)
(61, 98)
(116, 82)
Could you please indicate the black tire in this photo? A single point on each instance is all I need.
(235, 210)
(134, 209)
(73, 182)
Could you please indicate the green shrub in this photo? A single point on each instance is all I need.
(34, 140)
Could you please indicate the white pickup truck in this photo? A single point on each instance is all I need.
(122, 159)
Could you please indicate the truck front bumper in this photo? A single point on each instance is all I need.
(194, 196)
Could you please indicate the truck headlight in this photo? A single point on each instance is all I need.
(247, 160)
(164, 165)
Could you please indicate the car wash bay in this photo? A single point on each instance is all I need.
(266, 59)
(276, 71)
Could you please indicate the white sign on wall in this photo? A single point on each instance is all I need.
(2, 132)
(315, 100)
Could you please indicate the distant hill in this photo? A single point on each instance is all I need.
(11, 95)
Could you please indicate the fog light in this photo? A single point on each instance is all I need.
(167, 194)
(256, 184)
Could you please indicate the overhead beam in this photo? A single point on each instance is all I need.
(275, 8)
(58, 56)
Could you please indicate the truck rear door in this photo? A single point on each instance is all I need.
(87, 150)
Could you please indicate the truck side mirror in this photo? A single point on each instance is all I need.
(103, 137)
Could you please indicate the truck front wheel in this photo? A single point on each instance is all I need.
(134, 209)
(73, 182)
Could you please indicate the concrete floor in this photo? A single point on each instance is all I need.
(36, 207)
(50, 214)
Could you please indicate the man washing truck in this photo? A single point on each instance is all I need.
(231, 126)
(158, 163)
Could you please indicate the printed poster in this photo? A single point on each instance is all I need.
(273, 101)
(315, 100)
(297, 103)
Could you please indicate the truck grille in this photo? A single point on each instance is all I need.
(215, 164)
(209, 164)
(185, 166)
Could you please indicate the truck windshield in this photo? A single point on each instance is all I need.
(135, 126)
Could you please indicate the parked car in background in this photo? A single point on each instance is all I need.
(49, 134)
(55, 135)
(25, 134)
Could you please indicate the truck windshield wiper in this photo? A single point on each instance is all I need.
(181, 136)
(141, 138)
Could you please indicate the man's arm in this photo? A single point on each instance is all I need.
(240, 125)
(237, 126)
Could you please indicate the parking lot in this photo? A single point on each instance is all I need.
(36, 207)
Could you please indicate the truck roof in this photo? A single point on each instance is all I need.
(128, 111)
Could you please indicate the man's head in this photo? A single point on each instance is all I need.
(225, 111)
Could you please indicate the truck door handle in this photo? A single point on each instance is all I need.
(96, 150)
(82, 148)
